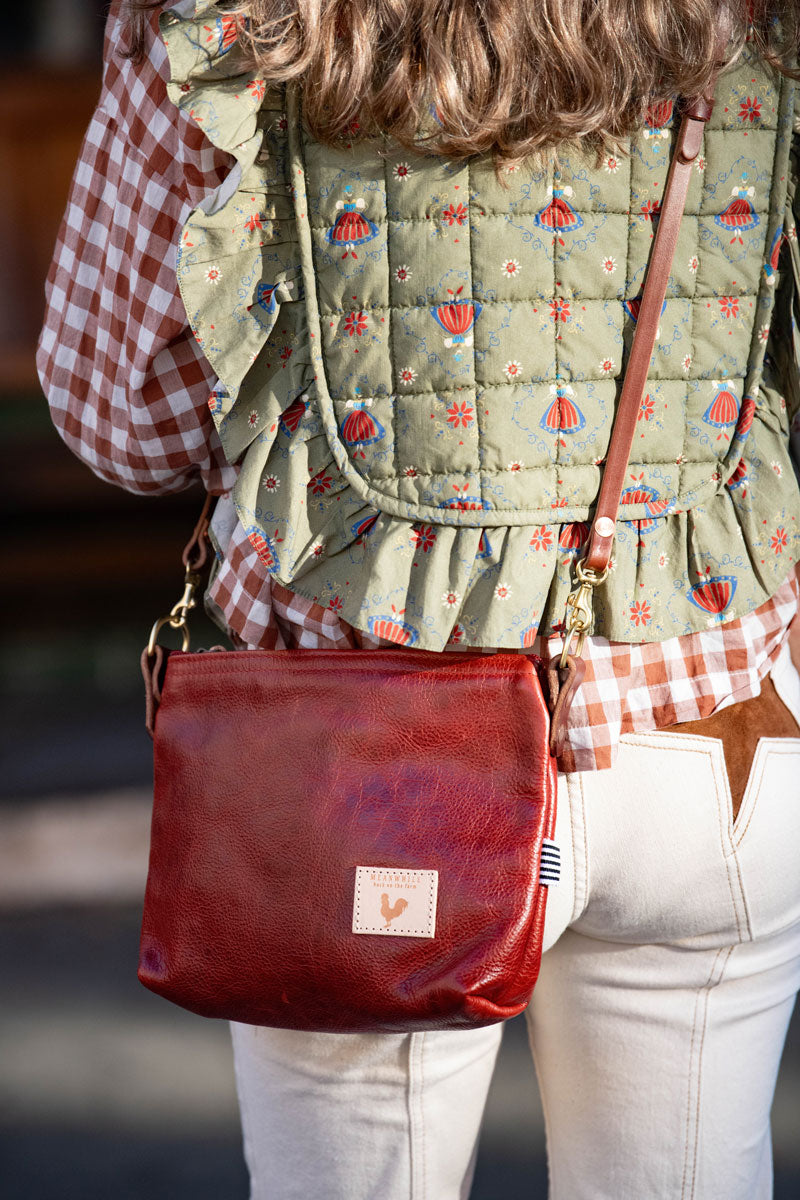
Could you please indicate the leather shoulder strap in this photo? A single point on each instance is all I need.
(696, 113)
(567, 669)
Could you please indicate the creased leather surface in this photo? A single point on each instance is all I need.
(277, 773)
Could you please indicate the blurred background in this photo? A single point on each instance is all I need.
(104, 1088)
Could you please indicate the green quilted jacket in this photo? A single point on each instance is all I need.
(418, 367)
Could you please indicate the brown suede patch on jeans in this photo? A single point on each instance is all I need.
(739, 726)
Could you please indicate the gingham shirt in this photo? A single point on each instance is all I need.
(128, 390)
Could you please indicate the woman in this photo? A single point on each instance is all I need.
(396, 302)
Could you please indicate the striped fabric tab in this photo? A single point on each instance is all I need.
(550, 863)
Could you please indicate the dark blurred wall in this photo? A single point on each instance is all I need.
(87, 566)
(48, 87)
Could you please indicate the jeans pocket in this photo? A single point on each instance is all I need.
(661, 864)
(766, 837)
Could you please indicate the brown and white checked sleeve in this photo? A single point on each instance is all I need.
(126, 382)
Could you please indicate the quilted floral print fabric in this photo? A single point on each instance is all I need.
(418, 367)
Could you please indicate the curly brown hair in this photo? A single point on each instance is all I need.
(510, 78)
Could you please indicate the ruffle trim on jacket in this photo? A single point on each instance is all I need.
(416, 582)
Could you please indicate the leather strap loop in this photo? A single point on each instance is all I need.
(689, 149)
(195, 552)
(701, 108)
(153, 674)
(562, 684)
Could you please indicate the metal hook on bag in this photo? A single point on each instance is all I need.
(579, 616)
(177, 617)
(194, 558)
(154, 656)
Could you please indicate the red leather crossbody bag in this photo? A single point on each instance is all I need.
(348, 840)
(362, 840)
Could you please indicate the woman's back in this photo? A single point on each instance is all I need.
(422, 438)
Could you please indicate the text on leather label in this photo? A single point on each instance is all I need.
(395, 901)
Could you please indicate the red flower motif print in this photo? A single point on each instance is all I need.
(647, 407)
(336, 604)
(559, 309)
(729, 306)
(355, 323)
(460, 415)
(320, 483)
(423, 537)
(542, 538)
(455, 214)
(779, 540)
(253, 223)
(257, 88)
(264, 546)
(750, 109)
(640, 613)
(651, 209)
(221, 35)
(286, 354)
(658, 115)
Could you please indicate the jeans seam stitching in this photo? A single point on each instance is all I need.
(753, 787)
(578, 900)
(244, 1107)
(551, 1191)
(703, 996)
(689, 1098)
(724, 809)
(756, 781)
(585, 840)
(416, 1126)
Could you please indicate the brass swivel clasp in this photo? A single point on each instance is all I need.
(177, 617)
(578, 620)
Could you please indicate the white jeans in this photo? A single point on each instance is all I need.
(656, 1026)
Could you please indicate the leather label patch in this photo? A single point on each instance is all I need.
(395, 902)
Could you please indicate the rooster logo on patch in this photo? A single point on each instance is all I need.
(390, 912)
